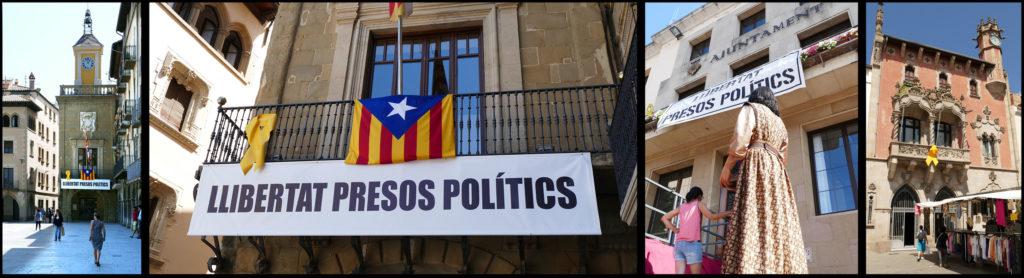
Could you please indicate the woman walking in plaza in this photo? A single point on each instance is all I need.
(688, 251)
(921, 237)
(58, 223)
(97, 234)
(940, 244)
(764, 236)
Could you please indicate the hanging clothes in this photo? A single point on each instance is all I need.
(1000, 213)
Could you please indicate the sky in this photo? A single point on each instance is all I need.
(37, 38)
(657, 16)
(950, 26)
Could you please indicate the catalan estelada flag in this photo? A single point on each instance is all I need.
(398, 9)
(88, 174)
(401, 128)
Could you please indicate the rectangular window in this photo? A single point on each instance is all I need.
(833, 30)
(943, 134)
(87, 158)
(432, 64)
(691, 91)
(666, 201)
(911, 131)
(750, 65)
(8, 177)
(834, 165)
(175, 104)
(31, 146)
(8, 146)
(700, 49)
(437, 63)
(752, 22)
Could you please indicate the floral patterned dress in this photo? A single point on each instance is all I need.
(764, 234)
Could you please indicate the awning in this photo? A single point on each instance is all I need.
(1005, 195)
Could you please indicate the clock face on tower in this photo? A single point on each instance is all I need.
(88, 63)
(995, 40)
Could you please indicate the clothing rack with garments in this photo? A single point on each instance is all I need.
(998, 248)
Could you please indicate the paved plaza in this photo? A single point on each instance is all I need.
(905, 262)
(27, 251)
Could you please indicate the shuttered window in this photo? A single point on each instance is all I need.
(175, 104)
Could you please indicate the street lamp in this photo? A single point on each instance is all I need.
(675, 32)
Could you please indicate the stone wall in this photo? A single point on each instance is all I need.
(562, 44)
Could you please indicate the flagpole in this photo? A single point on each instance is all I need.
(399, 55)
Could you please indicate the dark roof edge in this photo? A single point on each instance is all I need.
(943, 50)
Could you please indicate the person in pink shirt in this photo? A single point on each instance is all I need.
(688, 249)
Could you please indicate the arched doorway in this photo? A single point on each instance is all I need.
(901, 230)
(943, 194)
(86, 202)
(11, 210)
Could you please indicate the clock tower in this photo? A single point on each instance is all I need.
(990, 49)
(88, 55)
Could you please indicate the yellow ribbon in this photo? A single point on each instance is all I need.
(931, 156)
(258, 133)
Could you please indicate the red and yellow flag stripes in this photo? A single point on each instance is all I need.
(433, 136)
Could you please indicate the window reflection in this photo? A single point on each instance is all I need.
(833, 154)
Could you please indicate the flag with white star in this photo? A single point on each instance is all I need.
(395, 129)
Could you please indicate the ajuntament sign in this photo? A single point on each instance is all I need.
(763, 34)
(535, 194)
(782, 76)
(85, 184)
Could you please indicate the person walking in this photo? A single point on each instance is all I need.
(940, 244)
(921, 237)
(135, 222)
(764, 236)
(39, 218)
(688, 248)
(58, 224)
(97, 234)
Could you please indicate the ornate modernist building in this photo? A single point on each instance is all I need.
(30, 129)
(921, 96)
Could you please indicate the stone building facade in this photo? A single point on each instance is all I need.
(713, 44)
(204, 52)
(921, 96)
(324, 52)
(125, 68)
(30, 135)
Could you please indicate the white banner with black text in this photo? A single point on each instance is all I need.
(529, 194)
(783, 75)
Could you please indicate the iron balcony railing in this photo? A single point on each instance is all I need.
(712, 234)
(73, 90)
(130, 57)
(570, 119)
(624, 121)
(76, 173)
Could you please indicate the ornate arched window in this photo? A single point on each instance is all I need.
(7, 121)
(943, 79)
(209, 24)
(908, 71)
(232, 49)
(14, 121)
(184, 9)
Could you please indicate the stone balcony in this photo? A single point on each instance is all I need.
(913, 155)
(88, 90)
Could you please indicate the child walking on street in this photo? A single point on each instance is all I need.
(688, 248)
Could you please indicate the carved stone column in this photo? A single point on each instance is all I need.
(218, 44)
